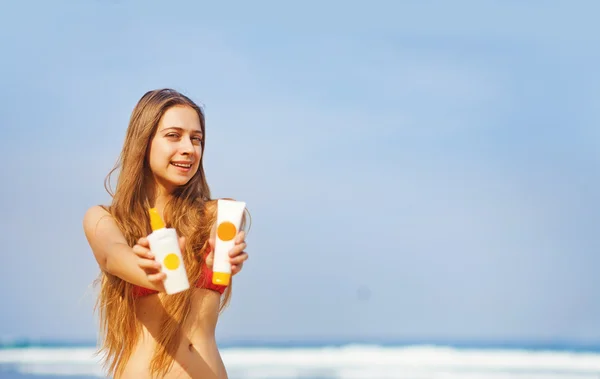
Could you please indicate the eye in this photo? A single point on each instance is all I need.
(172, 135)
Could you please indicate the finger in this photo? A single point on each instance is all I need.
(154, 278)
(182, 243)
(240, 237)
(143, 252)
(236, 268)
(210, 259)
(213, 237)
(143, 242)
(237, 249)
(239, 259)
(149, 265)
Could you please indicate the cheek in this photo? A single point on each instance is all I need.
(159, 154)
(153, 162)
(198, 152)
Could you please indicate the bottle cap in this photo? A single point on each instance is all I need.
(221, 278)
(156, 221)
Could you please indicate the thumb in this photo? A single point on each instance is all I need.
(210, 259)
(182, 243)
(212, 238)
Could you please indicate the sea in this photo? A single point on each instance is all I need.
(334, 360)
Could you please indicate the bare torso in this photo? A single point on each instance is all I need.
(197, 355)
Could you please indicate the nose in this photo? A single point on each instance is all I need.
(186, 146)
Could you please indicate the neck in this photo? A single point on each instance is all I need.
(158, 196)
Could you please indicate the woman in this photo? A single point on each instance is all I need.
(146, 333)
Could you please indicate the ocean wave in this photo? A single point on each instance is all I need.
(345, 362)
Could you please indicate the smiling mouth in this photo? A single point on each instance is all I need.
(182, 165)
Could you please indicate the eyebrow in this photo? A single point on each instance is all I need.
(180, 129)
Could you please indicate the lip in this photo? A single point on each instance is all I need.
(183, 162)
(182, 169)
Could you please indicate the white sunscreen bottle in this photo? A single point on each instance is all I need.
(164, 244)
(229, 218)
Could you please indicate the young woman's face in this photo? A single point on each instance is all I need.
(176, 148)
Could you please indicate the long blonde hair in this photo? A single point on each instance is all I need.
(190, 211)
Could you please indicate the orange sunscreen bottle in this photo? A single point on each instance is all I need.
(229, 218)
(164, 244)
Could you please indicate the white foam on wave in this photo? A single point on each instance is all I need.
(346, 362)
(53, 361)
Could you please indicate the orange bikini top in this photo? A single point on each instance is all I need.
(206, 282)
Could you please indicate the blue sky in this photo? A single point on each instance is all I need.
(414, 169)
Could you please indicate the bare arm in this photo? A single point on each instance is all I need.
(111, 250)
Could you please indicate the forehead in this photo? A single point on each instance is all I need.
(180, 117)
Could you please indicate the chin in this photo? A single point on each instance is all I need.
(174, 180)
(180, 181)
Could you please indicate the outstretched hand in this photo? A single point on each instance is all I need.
(147, 261)
(237, 255)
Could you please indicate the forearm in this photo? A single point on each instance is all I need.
(123, 263)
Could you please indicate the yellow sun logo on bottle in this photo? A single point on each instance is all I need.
(171, 261)
(226, 231)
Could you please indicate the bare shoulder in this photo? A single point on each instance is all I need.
(92, 218)
(99, 225)
(102, 233)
